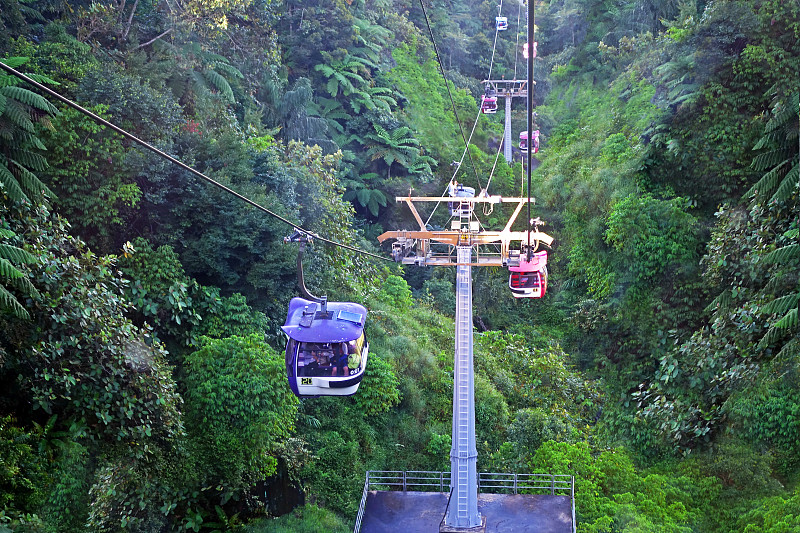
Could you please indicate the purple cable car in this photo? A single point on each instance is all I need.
(326, 353)
(529, 279)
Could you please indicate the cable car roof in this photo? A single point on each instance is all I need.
(346, 322)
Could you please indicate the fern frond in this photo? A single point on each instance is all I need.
(9, 185)
(220, 84)
(31, 183)
(229, 69)
(7, 233)
(23, 285)
(31, 13)
(29, 159)
(791, 348)
(784, 255)
(41, 78)
(199, 83)
(10, 303)
(770, 159)
(789, 321)
(722, 301)
(15, 62)
(17, 115)
(7, 270)
(18, 255)
(780, 306)
(29, 98)
(768, 138)
(790, 183)
(768, 182)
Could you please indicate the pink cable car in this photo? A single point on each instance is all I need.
(529, 279)
(525, 50)
(489, 105)
(523, 141)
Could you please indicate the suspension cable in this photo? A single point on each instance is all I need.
(449, 93)
(531, 53)
(494, 46)
(182, 165)
(516, 46)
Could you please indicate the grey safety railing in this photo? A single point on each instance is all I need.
(488, 482)
(363, 505)
(553, 484)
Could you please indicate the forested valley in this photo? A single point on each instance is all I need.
(142, 378)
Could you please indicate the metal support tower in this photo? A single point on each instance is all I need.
(464, 245)
(463, 509)
(508, 89)
(507, 142)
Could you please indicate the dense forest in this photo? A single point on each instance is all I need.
(142, 378)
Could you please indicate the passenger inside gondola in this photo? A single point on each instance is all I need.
(340, 356)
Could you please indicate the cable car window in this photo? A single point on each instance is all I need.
(355, 318)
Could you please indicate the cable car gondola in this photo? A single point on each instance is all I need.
(501, 23)
(326, 353)
(523, 141)
(489, 105)
(326, 349)
(457, 190)
(529, 279)
(525, 50)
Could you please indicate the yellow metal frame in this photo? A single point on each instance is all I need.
(422, 239)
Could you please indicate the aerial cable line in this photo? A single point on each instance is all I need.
(531, 54)
(449, 93)
(184, 166)
(516, 47)
(494, 46)
(477, 118)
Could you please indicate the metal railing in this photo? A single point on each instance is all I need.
(488, 482)
(363, 504)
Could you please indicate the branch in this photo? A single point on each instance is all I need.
(130, 20)
(154, 39)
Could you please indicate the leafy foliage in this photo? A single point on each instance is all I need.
(238, 409)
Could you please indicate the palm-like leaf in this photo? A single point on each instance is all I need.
(10, 275)
(19, 109)
(781, 158)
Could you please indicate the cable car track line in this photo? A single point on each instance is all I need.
(450, 94)
(182, 165)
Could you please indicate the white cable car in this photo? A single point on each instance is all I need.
(457, 190)
(529, 279)
(525, 50)
(501, 23)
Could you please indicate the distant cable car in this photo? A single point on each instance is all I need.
(489, 105)
(529, 279)
(501, 23)
(523, 141)
(525, 50)
(326, 350)
(457, 190)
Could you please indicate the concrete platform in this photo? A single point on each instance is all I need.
(421, 512)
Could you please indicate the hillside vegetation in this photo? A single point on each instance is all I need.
(142, 375)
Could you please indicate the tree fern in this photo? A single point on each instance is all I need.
(19, 108)
(781, 158)
(12, 276)
(780, 183)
